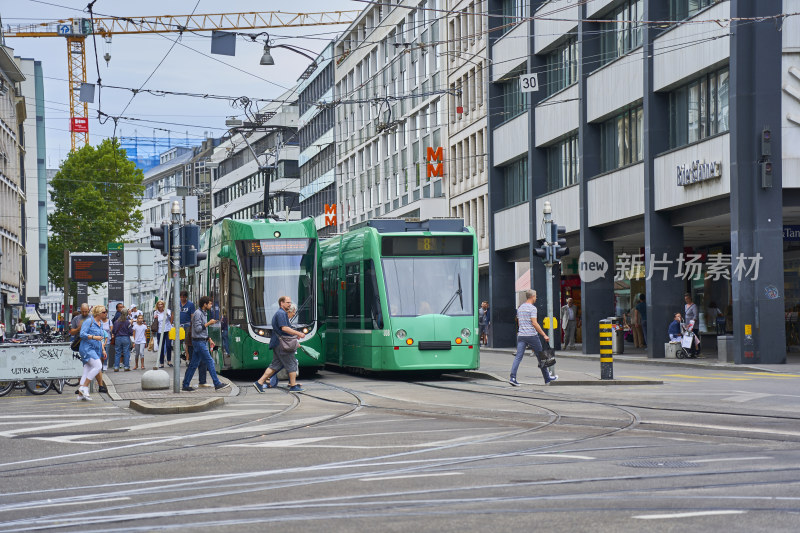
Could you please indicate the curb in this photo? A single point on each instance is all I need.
(153, 409)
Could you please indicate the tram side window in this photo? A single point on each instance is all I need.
(373, 318)
(237, 296)
(331, 291)
(353, 295)
(214, 293)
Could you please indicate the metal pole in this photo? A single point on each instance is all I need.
(175, 267)
(548, 222)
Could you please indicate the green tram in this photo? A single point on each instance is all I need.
(249, 265)
(400, 295)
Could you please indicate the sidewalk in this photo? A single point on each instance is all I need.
(496, 362)
(127, 386)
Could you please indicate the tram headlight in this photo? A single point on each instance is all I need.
(261, 332)
(401, 334)
(409, 341)
(305, 330)
(465, 333)
(277, 234)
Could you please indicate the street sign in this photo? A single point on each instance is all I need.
(139, 259)
(116, 275)
(529, 83)
(88, 268)
(64, 29)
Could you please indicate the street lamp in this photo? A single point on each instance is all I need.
(267, 59)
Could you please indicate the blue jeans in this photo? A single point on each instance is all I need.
(534, 343)
(200, 354)
(166, 348)
(122, 347)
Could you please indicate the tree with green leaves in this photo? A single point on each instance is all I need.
(96, 193)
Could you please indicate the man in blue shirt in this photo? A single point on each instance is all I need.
(280, 359)
(674, 330)
(187, 310)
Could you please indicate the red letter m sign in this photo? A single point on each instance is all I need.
(434, 155)
(330, 209)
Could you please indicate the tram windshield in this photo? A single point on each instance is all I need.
(418, 286)
(275, 268)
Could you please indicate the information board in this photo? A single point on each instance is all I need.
(38, 361)
(427, 245)
(89, 268)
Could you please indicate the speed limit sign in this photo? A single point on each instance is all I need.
(528, 83)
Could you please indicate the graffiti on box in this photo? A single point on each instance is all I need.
(38, 361)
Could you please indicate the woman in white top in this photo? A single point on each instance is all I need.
(164, 317)
(139, 341)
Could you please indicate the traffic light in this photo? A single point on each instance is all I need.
(159, 238)
(190, 244)
(543, 250)
(559, 241)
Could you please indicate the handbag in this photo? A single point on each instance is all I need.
(546, 357)
(154, 325)
(76, 344)
(288, 344)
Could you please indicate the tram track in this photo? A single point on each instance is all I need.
(422, 503)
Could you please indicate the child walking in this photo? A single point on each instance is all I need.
(140, 340)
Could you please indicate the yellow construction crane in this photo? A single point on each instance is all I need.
(76, 30)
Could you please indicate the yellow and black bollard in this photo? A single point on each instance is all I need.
(606, 357)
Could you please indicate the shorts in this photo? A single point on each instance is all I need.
(483, 328)
(281, 360)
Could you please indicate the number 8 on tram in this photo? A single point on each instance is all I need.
(400, 295)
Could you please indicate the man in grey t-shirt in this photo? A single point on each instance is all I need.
(528, 337)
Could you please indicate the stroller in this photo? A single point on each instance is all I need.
(688, 340)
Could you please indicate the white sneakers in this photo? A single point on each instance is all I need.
(83, 394)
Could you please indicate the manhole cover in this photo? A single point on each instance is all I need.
(659, 464)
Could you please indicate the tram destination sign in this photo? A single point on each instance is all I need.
(427, 245)
(276, 247)
(89, 268)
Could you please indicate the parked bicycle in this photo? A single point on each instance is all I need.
(34, 386)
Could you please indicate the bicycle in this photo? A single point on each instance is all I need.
(34, 386)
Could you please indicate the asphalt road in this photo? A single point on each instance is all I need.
(708, 450)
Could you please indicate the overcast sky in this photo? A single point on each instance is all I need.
(185, 69)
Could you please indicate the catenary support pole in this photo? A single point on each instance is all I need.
(175, 268)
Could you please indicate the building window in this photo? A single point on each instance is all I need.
(699, 109)
(515, 102)
(683, 9)
(625, 33)
(562, 67)
(513, 10)
(562, 164)
(621, 139)
(515, 183)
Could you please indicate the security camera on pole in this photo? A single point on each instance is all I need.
(551, 249)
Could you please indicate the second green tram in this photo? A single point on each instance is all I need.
(249, 265)
(400, 295)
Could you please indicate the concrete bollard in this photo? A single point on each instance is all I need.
(156, 379)
(606, 357)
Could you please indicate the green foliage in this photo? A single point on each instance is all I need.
(96, 193)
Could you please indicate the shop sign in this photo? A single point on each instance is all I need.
(791, 233)
(330, 215)
(434, 155)
(698, 171)
(13, 298)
